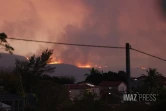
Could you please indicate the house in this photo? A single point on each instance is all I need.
(12, 102)
(115, 86)
(134, 84)
(78, 90)
(75, 90)
(31, 100)
(92, 89)
(5, 107)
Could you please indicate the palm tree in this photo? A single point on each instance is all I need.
(152, 79)
(94, 76)
(92, 71)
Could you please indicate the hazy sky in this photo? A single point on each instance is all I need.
(97, 22)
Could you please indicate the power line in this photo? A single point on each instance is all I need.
(148, 54)
(83, 45)
(60, 43)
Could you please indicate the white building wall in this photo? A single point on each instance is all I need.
(122, 87)
(96, 91)
(75, 93)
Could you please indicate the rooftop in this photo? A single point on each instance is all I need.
(80, 86)
(110, 83)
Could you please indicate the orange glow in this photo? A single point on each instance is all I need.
(143, 68)
(84, 66)
(27, 58)
(99, 67)
(55, 62)
(90, 66)
(52, 62)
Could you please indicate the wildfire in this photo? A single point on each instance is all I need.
(143, 68)
(90, 66)
(27, 58)
(55, 62)
(99, 67)
(52, 62)
(84, 66)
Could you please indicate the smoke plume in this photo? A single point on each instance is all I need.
(96, 22)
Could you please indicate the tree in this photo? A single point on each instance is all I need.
(110, 98)
(5, 44)
(94, 76)
(87, 103)
(10, 82)
(92, 71)
(64, 80)
(113, 76)
(152, 80)
(51, 96)
(60, 80)
(31, 70)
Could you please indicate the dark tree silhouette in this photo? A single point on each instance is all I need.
(60, 80)
(152, 80)
(94, 76)
(31, 70)
(51, 96)
(113, 76)
(92, 71)
(64, 80)
(10, 82)
(5, 45)
(163, 7)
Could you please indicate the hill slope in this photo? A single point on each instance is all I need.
(8, 61)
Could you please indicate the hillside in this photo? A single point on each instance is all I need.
(8, 61)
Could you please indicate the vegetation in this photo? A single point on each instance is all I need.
(31, 70)
(95, 77)
(50, 93)
(152, 81)
(4, 44)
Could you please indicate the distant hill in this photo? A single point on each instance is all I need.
(69, 70)
(8, 60)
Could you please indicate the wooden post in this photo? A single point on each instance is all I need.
(128, 68)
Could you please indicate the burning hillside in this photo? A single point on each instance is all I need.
(78, 64)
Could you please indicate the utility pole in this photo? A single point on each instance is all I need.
(128, 68)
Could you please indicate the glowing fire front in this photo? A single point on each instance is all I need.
(143, 68)
(51, 62)
(55, 62)
(84, 66)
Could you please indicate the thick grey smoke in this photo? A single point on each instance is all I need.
(97, 22)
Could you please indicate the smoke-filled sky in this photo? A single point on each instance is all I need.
(96, 22)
